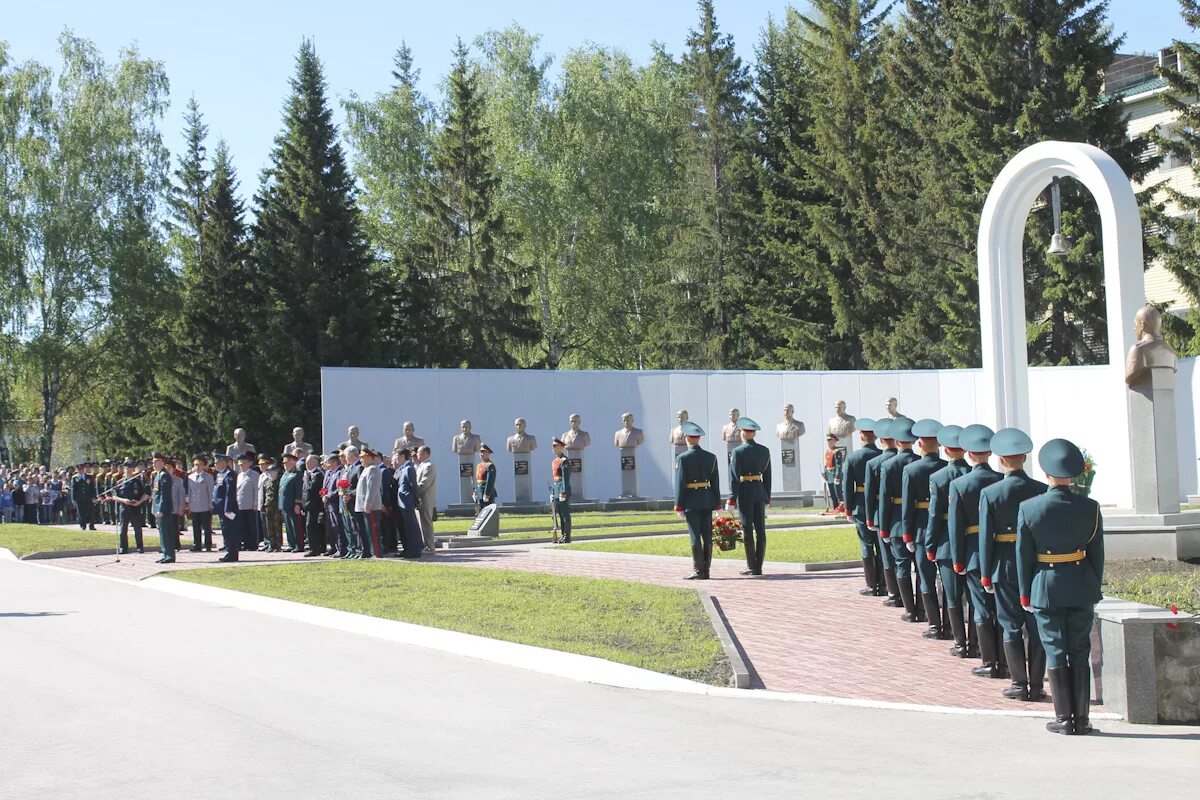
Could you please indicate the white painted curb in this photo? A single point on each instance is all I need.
(7, 555)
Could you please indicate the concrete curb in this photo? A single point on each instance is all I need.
(7, 555)
(790, 566)
(741, 673)
(51, 554)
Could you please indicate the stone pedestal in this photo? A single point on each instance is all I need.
(487, 523)
(578, 477)
(790, 471)
(466, 478)
(1153, 446)
(676, 450)
(629, 482)
(522, 478)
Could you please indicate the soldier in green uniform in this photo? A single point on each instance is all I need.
(130, 494)
(560, 489)
(270, 512)
(854, 478)
(750, 492)
(289, 502)
(998, 506)
(891, 518)
(883, 432)
(914, 508)
(697, 496)
(1060, 567)
(163, 509)
(83, 494)
(964, 543)
(485, 479)
(936, 542)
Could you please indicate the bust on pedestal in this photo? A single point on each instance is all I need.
(841, 425)
(466, 445)
(731, 435)
(789, 430)
(409, 441)
(628, 438)
(240, 445)
(354, 441)
(576, 440)
(521, 444)
(1150, 375)
(891, 411)
(678, 437)
(297, 443)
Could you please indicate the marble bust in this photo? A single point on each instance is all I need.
(297, 443)
(789, 428)
(409, 441)
(521, 442)
(574, 438)
(892, 412)
(841, 424)
(464, 442)
(729, 432)
(1151, 351)
(627, 435)
(677, 437)
(240, 445)
(354, 441)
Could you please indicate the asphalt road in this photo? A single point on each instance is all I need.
(110, 690)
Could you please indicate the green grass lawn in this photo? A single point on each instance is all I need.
(24, 539)
(653, 627)
(451, 525)
(805, 546)
(1155, 581)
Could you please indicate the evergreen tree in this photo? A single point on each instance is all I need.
(190, 187)
(311, 262)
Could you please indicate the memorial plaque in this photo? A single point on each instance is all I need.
(464, 469)
(789, 457)
(790, 473)
(522, 483)
(466, 477)
(576, 465)
(521, 467)
(629, 482)
(628, 463)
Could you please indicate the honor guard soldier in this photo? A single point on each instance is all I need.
(750, 492)
(914, 508)
(1060, 567)
(891, 519)
(697, 496)
(883, 431)
(130, 494)
(964, 542)
(83, 494)
(485, 479)
(936, 543)
(998, 506)
(225, 504)
(560, 490)
(163, 509)
(854, 478)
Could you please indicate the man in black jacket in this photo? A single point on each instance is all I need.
(314, 507)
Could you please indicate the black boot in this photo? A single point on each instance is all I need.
(972, 635)
(959, 630)
(906, 596)
(1081, 694)
(1015, 653)
(880, 588)
(893, 588)
(990, 668)
(933, 616)
(1001, 656)
(1037, 668)
(697, 564)
(869, 576)
(1060, 693)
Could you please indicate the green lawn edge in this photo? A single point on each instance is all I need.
(805, 545)
(24, 539)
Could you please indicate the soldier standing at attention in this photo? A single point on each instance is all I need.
(485, 479)
(883, 430)
(854, 477)
(164, 512)
(915, 510)
(697, 496)
(998, 505)
(936, 542)
(83, 493)
(964, 543)
(288, 503)
(130, 494)
(891, 516)
(750, 492)
(560, 487)
(1060, 567)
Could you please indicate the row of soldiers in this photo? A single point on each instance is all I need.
(1026, 558)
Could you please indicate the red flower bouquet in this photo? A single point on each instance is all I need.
(726, 532)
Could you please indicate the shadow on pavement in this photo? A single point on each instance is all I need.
(19, 614)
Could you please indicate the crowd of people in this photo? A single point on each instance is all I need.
(34, 494)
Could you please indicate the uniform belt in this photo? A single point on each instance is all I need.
(1006, 537)
(897, 501)
(922, 504)
(1061, 558)
(698, 485)
(859, 488)
(945, 516)
(972, 529)
(750, 477)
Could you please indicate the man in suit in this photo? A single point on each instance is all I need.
(352, 474)
(964, 543)
(936, 542)
(407, 500)
(883, 432)
(225, 504)
(314, 506)
(485, 479)
(427, 495)
(246, 497)
(335, 530)
(1060, 568)
(914, 507)
(199, 505)
(290, 484)
(389, 521)
(891, 518)
(368, 502)
(163, 510)
(750, 492)
(854, 478)
(998, 507)
(130, 494)
(560, 489)
(697, 496)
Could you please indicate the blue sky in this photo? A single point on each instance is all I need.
(236, 57)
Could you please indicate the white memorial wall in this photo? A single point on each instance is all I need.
(1078, 403)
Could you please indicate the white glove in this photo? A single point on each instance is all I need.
(230, 515)
(990, 589)
(1028, 608)
(729, 507)
(681, 515)
(912, 546)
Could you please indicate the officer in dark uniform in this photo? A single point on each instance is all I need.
(964, 543)
(915, 510)
(936, 542)
(854, 478)
(163, 508)
(883, 432)
(1060, 567)
(697, 496)
(226, 506)
(750, 492)
(83, 495)
(998, 506)
(560, 489)
(130, 493)
(891, 517)
(485, 479)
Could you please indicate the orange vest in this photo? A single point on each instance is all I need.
(481, 471)
(828, 459)
(556, 468)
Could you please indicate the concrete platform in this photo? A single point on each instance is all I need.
(1170, 536)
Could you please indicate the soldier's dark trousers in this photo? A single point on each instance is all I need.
(86, 515)
(289, 527)
(562, 509)
(167, 535)
(202, 529)
(314, 528)
(868, 546)
(700, 532)
(927, 571)
(982, 603)
(754, 532)
(1066, 634)
(131, 516)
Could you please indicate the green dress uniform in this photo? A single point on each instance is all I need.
(130, 489)
(998, 508)
(560, 491)
(83, 494)
(697, 495)
(914, 508)
(891, 518)
(883, 429)
(1060, 569)
(272, 514)
(289, 498)
(485, 484)
(750, 493)
(854, 479)
(161, 504)
(936, 544)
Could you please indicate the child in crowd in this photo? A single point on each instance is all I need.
(6, 503)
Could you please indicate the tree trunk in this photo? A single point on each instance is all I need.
(50, 387)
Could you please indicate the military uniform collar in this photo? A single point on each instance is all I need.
(960, 462)
(1017, 473)
(1063, 489)
(931, 457)
(984, 466)
(891, 450)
